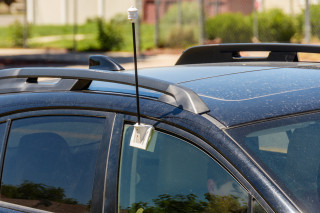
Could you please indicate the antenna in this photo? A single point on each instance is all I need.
(133, 16)
(142, 133)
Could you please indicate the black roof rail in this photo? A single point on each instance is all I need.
(216, 53)
(79, 79)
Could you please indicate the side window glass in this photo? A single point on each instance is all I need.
(50, 162)
(292, 154)
(257, 208)
(175, 176)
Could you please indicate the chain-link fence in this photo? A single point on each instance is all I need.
(203, 21)
(238, 21)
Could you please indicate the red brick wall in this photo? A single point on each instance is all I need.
(211, 9)
(243, 6)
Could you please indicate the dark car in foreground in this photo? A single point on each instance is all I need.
(232, 134)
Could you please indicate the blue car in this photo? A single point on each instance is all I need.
(231, 134)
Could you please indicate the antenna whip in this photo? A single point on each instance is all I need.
(133, 16)
(142, 133)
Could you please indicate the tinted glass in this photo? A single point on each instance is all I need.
(290, 150)
(175, 176)
(50, 162)
(257, 208)
(122, 88)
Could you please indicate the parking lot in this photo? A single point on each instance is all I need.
(51, 57)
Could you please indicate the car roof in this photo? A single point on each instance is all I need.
(214, 80)
(239, 93)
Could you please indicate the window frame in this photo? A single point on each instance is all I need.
(99, 174)
(111, 205)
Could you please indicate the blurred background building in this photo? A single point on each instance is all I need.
(288, 6)
(65, 11)
(211, 7)
(62, 11)
(102, 24)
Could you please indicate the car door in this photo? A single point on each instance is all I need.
(53, 160)
(177, 173)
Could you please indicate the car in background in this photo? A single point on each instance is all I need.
(232, 134)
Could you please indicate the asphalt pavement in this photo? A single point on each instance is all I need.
(10, 58)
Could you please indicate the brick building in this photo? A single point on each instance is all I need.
(211, 7)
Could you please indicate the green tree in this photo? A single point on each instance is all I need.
(109, 36)
(274, 25)
(179, 203)
(224, 204)
(191, 203)
(33, 191)
(230, 28)
(17, 33)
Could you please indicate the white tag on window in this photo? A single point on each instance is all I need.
(141, 136)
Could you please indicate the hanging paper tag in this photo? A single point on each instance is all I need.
(141, 136)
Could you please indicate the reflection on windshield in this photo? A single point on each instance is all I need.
(41, 196)
(189, 203)
(175, 176)
(50, 162)
(291, 151)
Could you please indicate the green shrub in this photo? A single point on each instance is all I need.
(109, 36)
(17, 33)
(229, 27)
(274, 25)
(179, 37)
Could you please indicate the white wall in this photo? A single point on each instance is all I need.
(52, 13)
(113, 7)
(288, 6)
(63, 11)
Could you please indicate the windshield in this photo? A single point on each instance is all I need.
(289, 149)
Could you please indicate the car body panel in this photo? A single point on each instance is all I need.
(237, 95)
(242, 94)
(164, 117)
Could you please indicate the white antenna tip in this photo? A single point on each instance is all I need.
(132, 14)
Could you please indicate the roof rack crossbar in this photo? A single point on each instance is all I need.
(216, 53)
(185, 97)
